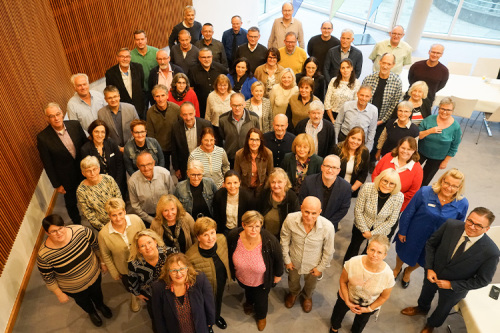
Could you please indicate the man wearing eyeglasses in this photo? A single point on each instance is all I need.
(401, 50)
(255, 52)
(334, 192)
(59, 145)
(147, 185)
(459, 257)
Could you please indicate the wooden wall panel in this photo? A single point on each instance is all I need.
(93, 30)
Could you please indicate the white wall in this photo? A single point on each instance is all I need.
(15, 268)
(219, 13)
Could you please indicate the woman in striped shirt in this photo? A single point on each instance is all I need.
(69, 266)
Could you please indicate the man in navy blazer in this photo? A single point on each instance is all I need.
(128, 77)
(59, 145)
(459, 257)
(334, 192)
(333, 57)
(180, 146)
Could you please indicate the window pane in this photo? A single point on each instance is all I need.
(405, 13)
(439, 19)
(357, 8)
(325, 4)
(479, 18)
(383, 15)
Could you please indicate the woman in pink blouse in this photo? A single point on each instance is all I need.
(256, 260)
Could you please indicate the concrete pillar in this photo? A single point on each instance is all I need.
(417, 22)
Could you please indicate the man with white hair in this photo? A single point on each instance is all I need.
(280, 140)
(163, 73)
(85, 103)
(283, 25)
(401, 50)
(189, 24)
(321, 130)
(338, 53)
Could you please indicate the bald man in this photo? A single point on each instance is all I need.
(401, 50)
(280, 140)
(184, 54)
(307, 240)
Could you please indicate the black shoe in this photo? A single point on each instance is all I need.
(404, 284)
(106, 312)
(221, 323)
(398, 274)
(210, 330)
(96, 320)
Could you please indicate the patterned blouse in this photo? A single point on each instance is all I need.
(92, 199)
(265, 117)
(300, 174)
(216, 106)
(336, 97)
(249, 265)
(215, 164)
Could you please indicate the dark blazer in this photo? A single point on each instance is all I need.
(326, 138)
(246, 202)
(332, 62)
(153, 79)
(138, 99)
(473, 269)
(358, 174)
(340, 199)
(271, 253)
(114, 157)
(180, 151)
(201, 299)
(129, 113)
(289, 164)
(60, 166)
(289, 205)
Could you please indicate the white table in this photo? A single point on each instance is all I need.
(480, 312)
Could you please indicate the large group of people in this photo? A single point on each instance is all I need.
(269, 147)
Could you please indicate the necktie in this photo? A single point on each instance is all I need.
(461, 248)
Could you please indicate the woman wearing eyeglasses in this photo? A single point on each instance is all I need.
(429, 208)
(439, 137)
(182, 298)
(377, 209)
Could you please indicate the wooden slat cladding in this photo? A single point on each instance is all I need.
(33, 72)
(93, 30)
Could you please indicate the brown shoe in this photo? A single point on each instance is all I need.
(307, 305)
(427, 329)
(247, 308)
(261, 324)
(413, 311)
(290, 300)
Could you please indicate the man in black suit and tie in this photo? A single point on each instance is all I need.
(186, 134)
(59, 146)
(459, 257)
(128, 77)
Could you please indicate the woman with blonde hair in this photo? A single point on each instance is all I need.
(261, 106)
(173, 223)
(429, 208)
(218, 102)
(282, 91)
(377, 209)
(182, 298)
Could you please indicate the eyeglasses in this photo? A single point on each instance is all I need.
(330, 167)
(57, 231)
(445, 110)
(57, 115)
(253, 227)
(453, 187)
(385, 182)
(238, 106)
(254, 140)
(180, 270)
(146, 165)
(196, 175)
(139, 132)
(475, 225)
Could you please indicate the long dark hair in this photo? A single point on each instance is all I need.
(344, 147)
(262, 148)
(315, 61)
(352, 78)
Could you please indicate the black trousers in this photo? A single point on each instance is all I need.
(218, 297)
(89, 298)
(338, 314)
(356, 241)
(341, 137)
(258, 297)
(71, 205)
(430, 168)
(166, 156)
(380, 129)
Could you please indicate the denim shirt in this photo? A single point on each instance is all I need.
(183, 193)
(130, 153)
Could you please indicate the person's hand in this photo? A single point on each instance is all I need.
(178, 174)
(277, 279)
(367, 234)
(443, 164)
(62, 297)
(355, 308)
(377, 154)
(289, 266)
(431, 276)
(121, 149)
(104, 268)
(443, 284)
(436, 130)
(315, 272)
(402, 238)
(144, 298)
(61, 190)
(380, 122)
(118, 278)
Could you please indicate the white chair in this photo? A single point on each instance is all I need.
(487, 67)
(464, 108)
(492, 117)
(460, 68)
(494, 234)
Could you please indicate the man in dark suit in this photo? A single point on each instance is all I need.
(128, 77)
(459, 257)
(162, 74)
(334, 56)
(334, 192)
(59, 145)
(186, 134)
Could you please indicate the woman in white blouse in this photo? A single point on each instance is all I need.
(213, 158)
(281, 93)
(342, 88)
(365, 284)
(218, 102)
(261, 106)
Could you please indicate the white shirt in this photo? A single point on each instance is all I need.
(124, 235)
(127, 80)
